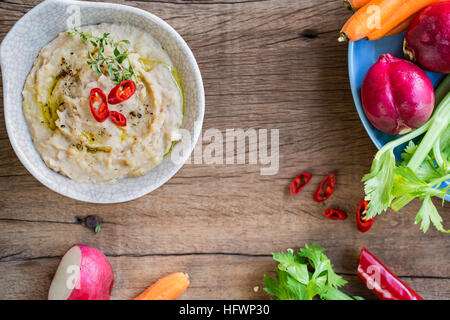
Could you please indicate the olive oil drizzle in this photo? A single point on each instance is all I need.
(94, 149)
(91, 149)
(51, 105)
(148, 66)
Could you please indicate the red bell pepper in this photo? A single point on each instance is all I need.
(300, 182)
(122, 92)
(381, 280)
(361, 217)
(323, 194)
(98, 104)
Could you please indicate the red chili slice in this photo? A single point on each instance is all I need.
(118, 118)
(300, 182)
(335, 214)
(361, 217)
(122, 92)
(321, 194)
(98, 104)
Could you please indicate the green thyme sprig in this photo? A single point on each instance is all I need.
(117, 70)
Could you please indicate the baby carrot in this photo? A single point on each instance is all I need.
(370, 17)
(405, 11)
(355, 4)
(167, 288)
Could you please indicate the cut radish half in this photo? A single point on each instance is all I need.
(84, 273)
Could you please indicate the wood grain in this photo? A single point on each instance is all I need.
(271, 64)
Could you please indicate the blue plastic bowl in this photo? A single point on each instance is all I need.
(361, 56)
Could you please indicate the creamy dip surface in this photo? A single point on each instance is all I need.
(66, 134)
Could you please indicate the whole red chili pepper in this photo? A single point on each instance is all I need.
(361, 217)
(321, 194)
(381, 280)
(335, 214)
(300, 182)
(98, 104)
(118, 118)
(122, 92)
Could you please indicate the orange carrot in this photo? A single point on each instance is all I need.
(370, 17)
(405, 11)
(167, 288)
(355, 4)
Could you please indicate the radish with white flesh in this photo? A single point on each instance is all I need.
(84, 273)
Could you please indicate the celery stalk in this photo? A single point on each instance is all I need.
(439, 123)
(395, 185)
(442, 90)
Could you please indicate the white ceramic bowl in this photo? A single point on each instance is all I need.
(17, 54)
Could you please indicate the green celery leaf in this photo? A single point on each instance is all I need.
(334, 279)
(289, 264)
(427, 171)
(284, 293)
(379, 183)
(270, 286)
(312, 289)
(444, 149)
(408, 152)
(319, 283)
(304, 276)
(313, 253)
(402, 201)
(428, 213)
(284, 258)
(408, 183)
(299, 272)
(297, 289)
(331, 293)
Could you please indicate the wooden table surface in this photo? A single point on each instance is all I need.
(271, 64)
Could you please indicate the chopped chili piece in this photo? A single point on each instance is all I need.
(122, 92)
(300, 182)
(323, 194)
(381, 280)
(118, 118)
(335, 214)
(361, 217)
(98, 104)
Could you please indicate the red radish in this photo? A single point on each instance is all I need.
(84, 273)
(397, 95)
(427, 40)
